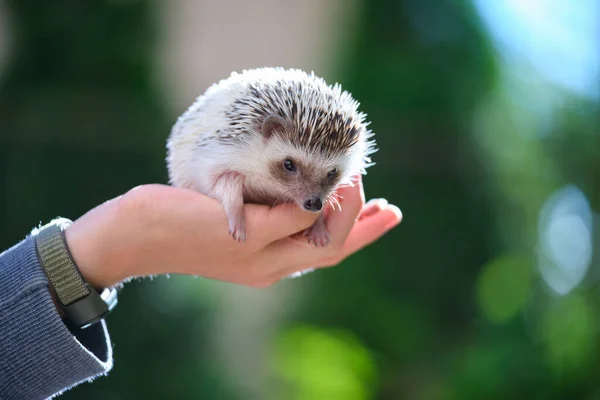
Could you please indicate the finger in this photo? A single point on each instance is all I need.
(297, 251)
(369, 230)
(339, 223)
(373, 206)
(365, 232)
(268, 224)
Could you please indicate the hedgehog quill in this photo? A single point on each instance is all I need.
(270, 136)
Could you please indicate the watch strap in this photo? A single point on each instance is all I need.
(81, 303)
(59, 265)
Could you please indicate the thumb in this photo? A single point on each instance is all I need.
(269, 224)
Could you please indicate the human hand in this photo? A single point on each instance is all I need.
(158, 229)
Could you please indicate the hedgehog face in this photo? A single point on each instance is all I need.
(309, 180)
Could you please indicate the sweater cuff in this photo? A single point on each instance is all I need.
(39, 356)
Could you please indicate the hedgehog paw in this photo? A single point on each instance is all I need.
(317, 235)
(238, 231)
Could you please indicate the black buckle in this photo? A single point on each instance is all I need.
(98, 305)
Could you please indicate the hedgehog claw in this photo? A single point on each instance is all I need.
(238, 232)
(319, 239)
(317, 234)
(238, 236)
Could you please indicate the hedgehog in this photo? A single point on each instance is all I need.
(269, 136)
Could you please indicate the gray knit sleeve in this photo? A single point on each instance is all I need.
(39, 356)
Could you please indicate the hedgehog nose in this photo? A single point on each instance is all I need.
(313, 204)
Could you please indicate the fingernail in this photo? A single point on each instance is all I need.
(379, 202)
(395, 210)
(398, 215)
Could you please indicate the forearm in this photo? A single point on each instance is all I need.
(39, 356)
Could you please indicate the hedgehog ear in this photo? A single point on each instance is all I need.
(273, 124)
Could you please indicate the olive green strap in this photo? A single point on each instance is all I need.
(58, 263)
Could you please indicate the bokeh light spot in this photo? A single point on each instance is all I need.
(570, 333)
(503, 287)
(319, 364)
(565, 239)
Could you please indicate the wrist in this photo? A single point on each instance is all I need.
(97, 246)
(75, 298)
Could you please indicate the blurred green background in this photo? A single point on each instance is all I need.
(487, 118)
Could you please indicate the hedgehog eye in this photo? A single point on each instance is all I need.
(332, 174)
(289, 165)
